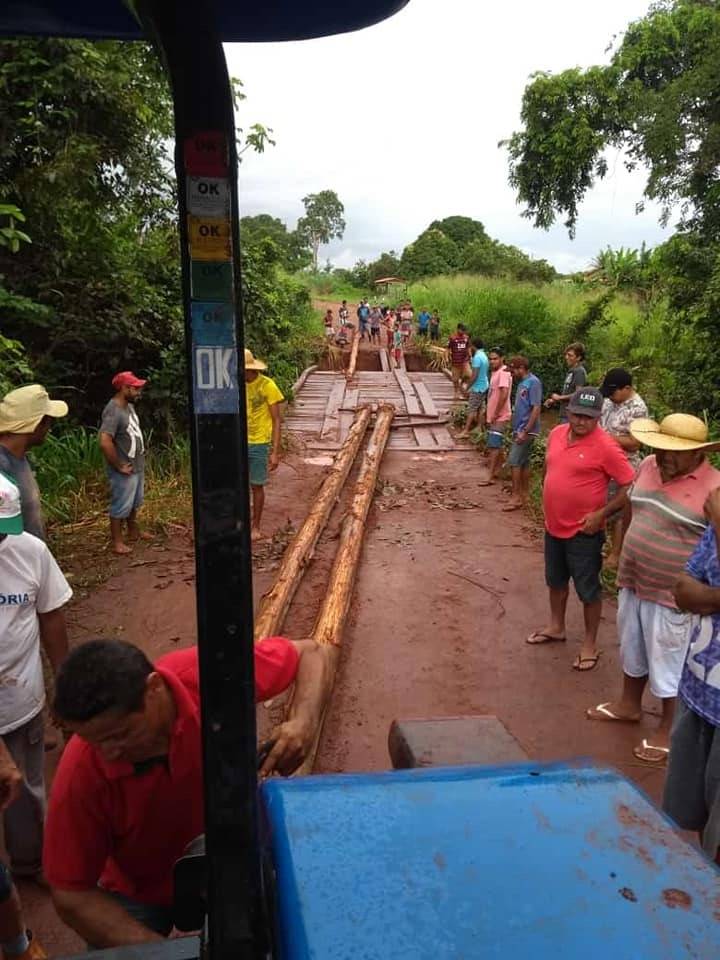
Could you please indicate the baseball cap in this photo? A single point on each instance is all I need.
(11, 520)
(127, 379)
(616, 379)
(587, 402)
(22, 410)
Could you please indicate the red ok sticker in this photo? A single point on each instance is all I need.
(206, 154)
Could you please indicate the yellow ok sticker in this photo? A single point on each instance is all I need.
(210, 238)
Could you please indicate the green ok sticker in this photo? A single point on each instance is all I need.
(211, 280)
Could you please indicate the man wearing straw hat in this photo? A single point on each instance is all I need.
(263, 398)
(667, 519)
(26, 415)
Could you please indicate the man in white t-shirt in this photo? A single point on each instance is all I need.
(32, 594)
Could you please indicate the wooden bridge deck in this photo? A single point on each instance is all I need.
(325, 404)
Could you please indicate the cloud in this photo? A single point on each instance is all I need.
(403, 121)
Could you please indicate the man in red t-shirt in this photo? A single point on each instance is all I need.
(581, 461)
(459, 347)
(128, 794)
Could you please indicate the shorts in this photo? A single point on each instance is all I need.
(460, 371)
(692, 786)
(434, 334)
(329, 332)
(258, 456)
(127, 492)
(496, 435)
(476, 400)
(654, 642)
(375, 331)
(578, 558)
(520, 453)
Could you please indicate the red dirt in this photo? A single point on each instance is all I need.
(420, 641)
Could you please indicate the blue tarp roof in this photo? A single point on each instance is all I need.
(237, 20)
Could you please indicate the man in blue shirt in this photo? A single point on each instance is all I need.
(692, 787)
(423, 323)
(477, 389)
(525, 428)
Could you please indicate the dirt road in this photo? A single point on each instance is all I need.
(422, 639)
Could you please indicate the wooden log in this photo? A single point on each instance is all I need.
(276, 601)
(330, 624)
(353, 355)
(302, 378)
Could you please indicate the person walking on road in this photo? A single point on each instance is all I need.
(375, 322)
(477, 389)
(363, 313)
(667, 503)
(329, 323)
(581, 461)
(263, 398)
(33, 592)
(123, 447)
(459, 347)
(423, 322)
(499, 413)
(435, 326)
(692, 785)
(576, 378)
(26, 416)
(526, 429)
(622, 405)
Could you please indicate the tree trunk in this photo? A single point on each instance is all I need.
(330, 623)
(350, 372)
(275, 603)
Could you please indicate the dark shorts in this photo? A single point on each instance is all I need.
(434, 334)
(496, 435)
(258, 457)
(692, 786)
(520, 453)
(577, 558)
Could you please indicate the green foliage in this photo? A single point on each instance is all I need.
(295, 254)
(10, 236)
(14, 367)
(386, 265)
(432, 254)
(322, 222)
(656, 100)
(462, 230)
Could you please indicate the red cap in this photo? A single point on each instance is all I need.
(127, 379)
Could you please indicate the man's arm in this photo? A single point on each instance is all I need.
(294, 738)
(502, 395)
(626, 441)
(100, 920)
(593, 522)
(11, 779)
(532, 420)
(109, 451)
(276, 435)
(696, 597)
(53, 636)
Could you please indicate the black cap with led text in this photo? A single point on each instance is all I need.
(586, 402)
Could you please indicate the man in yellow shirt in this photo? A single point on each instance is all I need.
(263, 400)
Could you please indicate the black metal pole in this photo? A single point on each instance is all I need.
(206, 165)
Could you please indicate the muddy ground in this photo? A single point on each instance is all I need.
(448, 589)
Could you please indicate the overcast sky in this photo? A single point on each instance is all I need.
(403, 119)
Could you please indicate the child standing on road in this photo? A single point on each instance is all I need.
(329, 323)
(397, 345)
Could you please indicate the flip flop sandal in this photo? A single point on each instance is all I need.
(602, 708)
(645, 745)
(543, 638)
(579, 661)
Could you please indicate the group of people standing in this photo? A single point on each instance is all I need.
(396, 326)
(662, 515)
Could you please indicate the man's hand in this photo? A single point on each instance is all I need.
(712, 507)
(549, 403)
(293, 742)
(555, 397)
(593, 522)
(125, 468)
(274, 461)
(10, 778)
(521, 436)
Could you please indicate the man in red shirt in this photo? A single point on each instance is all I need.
(128, 793)
(459, 347)
(581, 461)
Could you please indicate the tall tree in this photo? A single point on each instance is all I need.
(323, 220)
(463, 230)
(294, 250)
(657, 100)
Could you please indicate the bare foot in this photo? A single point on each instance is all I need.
(121, 549)
(613, 711)
(487, 482)
(135, 534)
(513, 505)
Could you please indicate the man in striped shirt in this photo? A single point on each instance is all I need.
(667, 520)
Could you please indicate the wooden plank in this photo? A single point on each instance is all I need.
(347, 411)
(411, 401)
(428, 404)
(384, 362)
(335, 400)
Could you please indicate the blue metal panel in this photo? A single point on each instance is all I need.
(235, 19)
(476, 862)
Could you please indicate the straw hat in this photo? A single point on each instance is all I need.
(677, 431)
(22, 410)
(251, 363)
